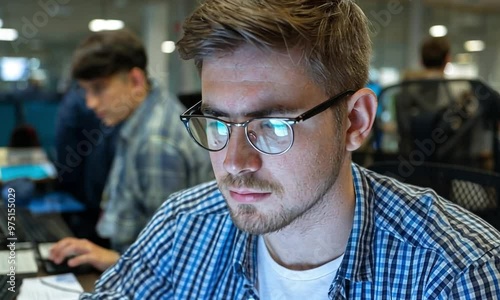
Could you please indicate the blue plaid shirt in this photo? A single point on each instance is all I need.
(155, 156)
(406, 243)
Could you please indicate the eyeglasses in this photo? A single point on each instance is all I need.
(268, 135)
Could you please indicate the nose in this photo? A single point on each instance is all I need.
(241, 157)
(91, 101)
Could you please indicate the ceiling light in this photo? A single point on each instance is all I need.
(167, 47)
(97, 25)
(8, 34)
(474, 46)
(438, 30)
(114, 24)
(101, 24)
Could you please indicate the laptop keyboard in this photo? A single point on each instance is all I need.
(35, 228)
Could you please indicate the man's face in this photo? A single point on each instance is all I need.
(111, 98)
(265, 193)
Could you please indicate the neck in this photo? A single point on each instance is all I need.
(320, 235)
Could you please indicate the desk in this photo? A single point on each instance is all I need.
(19, 156)
(29, 257)
(33, 290)
(86, 280)
(25, 162)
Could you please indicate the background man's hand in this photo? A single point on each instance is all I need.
(81, 252)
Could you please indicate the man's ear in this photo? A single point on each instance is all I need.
(361, 109)
(138, 80)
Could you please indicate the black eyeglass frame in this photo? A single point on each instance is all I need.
(189, 113)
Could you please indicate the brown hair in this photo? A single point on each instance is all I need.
(434, 52)
(333, 36)
(106, 53)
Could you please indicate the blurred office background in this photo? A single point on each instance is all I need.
(39, 36)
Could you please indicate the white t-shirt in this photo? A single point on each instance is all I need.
(279, 283)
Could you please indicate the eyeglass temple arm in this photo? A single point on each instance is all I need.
(322, 106)
(189, 111)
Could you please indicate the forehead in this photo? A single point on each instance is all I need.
(108, 82)
(248, 63)
(249, 76)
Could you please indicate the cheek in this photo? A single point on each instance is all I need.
(217, 159)
(315, 152)
(121, 103)
(314, 144)
(108, 99)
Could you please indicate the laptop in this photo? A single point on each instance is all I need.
(36, 233)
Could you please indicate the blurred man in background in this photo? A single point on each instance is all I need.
(154, 155)
(84, 144)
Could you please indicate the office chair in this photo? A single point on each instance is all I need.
(474, 189)
(439, 120)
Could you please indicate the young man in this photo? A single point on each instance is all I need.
(154, 155)
(289, 216)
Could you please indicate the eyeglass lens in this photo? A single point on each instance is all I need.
(271, 136)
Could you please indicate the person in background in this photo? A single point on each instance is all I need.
(84, 144)
(434, 100)
(434, 56)
(289, 215)
(154, 155)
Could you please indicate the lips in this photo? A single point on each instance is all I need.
(248, 196)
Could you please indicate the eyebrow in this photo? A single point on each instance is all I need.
(279, 110)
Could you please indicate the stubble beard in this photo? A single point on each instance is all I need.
(248, 218)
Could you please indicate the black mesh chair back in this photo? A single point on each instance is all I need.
(475, 190)
(438, 120)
